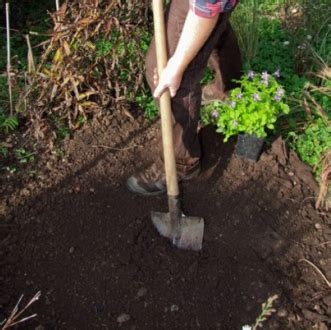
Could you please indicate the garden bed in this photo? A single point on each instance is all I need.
(80, 237)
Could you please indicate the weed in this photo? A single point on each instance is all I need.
(147, 103)
(8, 123)
(267, 311)
(4, 151)
(24, 155)
(312, 142)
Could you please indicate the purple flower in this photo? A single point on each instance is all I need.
(214, 114)
(278, 97)
(280, 92)
(256, 97)
(265, 75)
(232, 104)
(239, 95)
(277, 73)
(251, 74)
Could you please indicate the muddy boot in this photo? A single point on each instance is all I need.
(152, 180)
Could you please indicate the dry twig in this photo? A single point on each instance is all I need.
(13, 319)
(318, 270)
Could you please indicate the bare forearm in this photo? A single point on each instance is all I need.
(194, 35)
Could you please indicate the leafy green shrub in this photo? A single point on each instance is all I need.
(313, 141)
(251, 108)
(276, 52)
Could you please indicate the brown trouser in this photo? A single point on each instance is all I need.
(222, 51)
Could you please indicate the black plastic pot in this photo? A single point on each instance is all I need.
(249, 146)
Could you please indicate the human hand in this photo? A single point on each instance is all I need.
(171, 78)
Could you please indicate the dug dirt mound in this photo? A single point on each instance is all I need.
(89, 245)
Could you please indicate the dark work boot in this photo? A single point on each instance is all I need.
(152, 181)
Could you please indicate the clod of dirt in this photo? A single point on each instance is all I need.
(123, 318)
(39, 327)
(174, 308)
(282, 313)
(303, 171)
(314, 317)
(279, 149)
(142, 292)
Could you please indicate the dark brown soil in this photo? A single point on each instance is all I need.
(80, 237)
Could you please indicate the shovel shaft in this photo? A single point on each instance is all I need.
(165, 102)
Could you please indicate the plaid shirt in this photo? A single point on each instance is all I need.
(210, 8)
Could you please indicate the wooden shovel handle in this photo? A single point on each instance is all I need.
(165, 101)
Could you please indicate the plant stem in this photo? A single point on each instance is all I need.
(9, 60)
(31, 66)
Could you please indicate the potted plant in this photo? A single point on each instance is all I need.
(250, 110)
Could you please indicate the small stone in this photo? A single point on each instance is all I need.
(322, 326)
(174, 308)
(123, 318)
(318, 226)
(318, 309)
(142, 292)
(92, 190)
(71, 250)
(39, 327)
(282, 312)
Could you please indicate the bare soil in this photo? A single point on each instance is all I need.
(75, 233)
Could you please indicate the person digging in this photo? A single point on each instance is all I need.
(198, 33)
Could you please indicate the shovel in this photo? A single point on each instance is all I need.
(185, 232)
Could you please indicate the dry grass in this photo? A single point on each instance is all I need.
(93, 60)
(324, 198)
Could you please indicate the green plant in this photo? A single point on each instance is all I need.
(251, 108)
(267, 311)
(313, 141)
(147, 103)
(4, 151)
(24, 155)
(8, 123)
